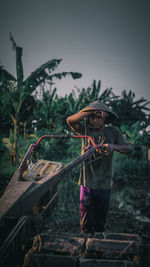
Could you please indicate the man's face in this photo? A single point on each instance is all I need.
(97, 119)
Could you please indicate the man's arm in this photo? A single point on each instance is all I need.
(74, 120)
(121, 144)
(125, 149)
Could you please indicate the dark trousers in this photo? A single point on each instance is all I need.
(94, 205)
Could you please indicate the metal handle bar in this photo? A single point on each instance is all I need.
(65, 136)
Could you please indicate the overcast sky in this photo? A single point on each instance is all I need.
(107, 40)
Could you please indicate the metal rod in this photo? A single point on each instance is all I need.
(64, 136)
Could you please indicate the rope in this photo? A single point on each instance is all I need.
(35, 247)
(102, 151)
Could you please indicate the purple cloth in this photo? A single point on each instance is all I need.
(94, 205)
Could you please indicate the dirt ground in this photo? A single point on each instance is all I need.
(129, 212)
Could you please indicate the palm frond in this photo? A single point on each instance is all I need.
(41, 74)
(19, 65)
(14, 45)
(5, 75)
(74, 75)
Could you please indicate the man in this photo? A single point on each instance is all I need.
(96, 173)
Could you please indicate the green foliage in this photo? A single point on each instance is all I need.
(88, 95)
(3, 148)
(6, 167)
(24, 145)
(62, 150)
(133, 132)
(51, 112)
(67, 211)
(5, 76)
(126, 166)
(137, 135)
(17, 100)
(130, 111)
(54, 149)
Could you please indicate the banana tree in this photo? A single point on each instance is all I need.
(137, 133)
(132, 132)
(88, 95)
(16, 90)
(139, 138)
(129, 109)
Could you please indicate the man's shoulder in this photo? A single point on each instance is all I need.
(112, 128)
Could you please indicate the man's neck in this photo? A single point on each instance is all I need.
(101, 129)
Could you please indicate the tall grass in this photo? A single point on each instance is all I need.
(125, 166)
(127, 172)
(67, 210)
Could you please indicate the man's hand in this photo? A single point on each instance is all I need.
(125, 149)
(110, 147)
(86, 148)
(105, 149)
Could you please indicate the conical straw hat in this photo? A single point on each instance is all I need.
(97, 105)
